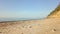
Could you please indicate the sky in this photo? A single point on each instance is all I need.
(27, 8)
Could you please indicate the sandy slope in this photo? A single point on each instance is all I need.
(45, 26)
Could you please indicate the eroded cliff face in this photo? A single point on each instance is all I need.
(55, 13)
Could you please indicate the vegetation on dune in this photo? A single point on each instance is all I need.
(55, 10)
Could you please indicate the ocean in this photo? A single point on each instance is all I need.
(16, 19)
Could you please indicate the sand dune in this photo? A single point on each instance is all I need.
(45, 26)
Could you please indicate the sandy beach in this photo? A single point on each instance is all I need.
(44, 26)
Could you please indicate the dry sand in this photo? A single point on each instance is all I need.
(45, 26)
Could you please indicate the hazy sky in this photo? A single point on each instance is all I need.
(26, 8)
